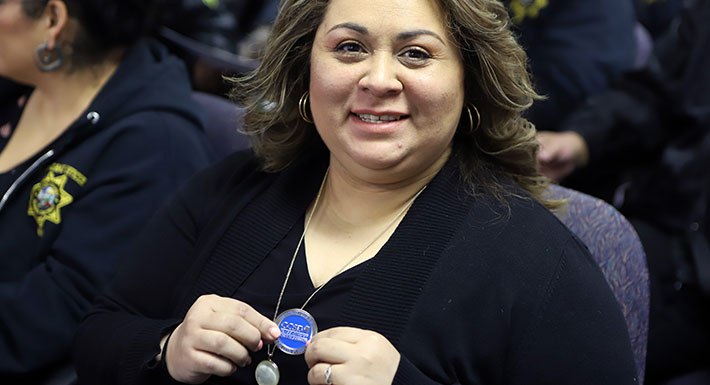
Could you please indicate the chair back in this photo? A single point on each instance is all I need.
(644, 46)
(617, 249)
(223, 120)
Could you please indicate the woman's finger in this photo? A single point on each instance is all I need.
(344, 333)
(190, 365)
(267, 328)
(325, 374)
(329, 350)
(212, 364)
(223, 345)
(235, 327)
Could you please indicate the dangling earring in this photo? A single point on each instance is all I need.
(303, 108)
(470, 118)
(48, 59)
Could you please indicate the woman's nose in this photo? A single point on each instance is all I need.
(381, 78)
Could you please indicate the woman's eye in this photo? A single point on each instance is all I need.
(416, 54)
(349, 47)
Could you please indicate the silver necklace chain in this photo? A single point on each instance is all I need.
(271, 348)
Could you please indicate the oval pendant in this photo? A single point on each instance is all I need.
(267, 373)
(297, 328)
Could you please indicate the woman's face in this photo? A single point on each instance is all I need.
(18, 40)
(386, 85)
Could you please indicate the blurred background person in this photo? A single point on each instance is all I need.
(644, 145)
(576, 49)
(218, 38)
(656, 16)
(102, 130)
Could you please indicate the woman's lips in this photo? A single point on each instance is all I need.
(368, 124)
(377, 119)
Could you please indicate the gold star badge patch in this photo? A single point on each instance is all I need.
(526, 8)
(47, 198)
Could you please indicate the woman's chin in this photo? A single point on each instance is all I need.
(378, 161)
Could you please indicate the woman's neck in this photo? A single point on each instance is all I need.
(352, 201)
(355, 217)
(70, 93)
(57, 100)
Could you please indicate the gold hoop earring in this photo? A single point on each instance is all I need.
(303, 108)
(470, 118)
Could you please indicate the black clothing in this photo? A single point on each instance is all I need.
(68, 213)
(576, 49)
(261, 291)
(678, 334)
(649, 142)
(467, 294)
(650, 134)
(657, 16)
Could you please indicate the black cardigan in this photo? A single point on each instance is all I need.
(468, 294)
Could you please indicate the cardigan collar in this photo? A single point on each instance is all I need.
(389, 285)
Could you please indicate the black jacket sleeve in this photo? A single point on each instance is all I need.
(119, 338)
(577, 333)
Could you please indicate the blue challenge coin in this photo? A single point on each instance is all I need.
(297, 328)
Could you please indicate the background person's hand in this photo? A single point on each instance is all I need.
(560, 153)
(215, 338)
(356, 357)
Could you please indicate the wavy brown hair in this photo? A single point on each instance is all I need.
(502, 149)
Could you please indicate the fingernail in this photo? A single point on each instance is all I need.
(261, 345)
(275, 332)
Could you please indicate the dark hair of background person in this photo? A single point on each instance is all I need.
(496, 82)
(104, 25)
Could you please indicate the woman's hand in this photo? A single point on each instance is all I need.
(355, 356)
(215, 338)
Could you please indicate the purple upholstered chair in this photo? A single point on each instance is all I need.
(616, 247)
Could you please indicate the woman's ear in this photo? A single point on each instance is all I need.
(56, 19)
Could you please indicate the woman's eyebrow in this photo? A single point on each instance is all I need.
(355, 27)
(418, 32)
(401, 36)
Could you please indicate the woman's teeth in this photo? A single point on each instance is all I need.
(378, 118)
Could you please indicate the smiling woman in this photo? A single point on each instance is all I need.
(386, 92)
(387, 229)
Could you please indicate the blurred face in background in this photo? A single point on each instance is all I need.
(19, 37)
(386, 88)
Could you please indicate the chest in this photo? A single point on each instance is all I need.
(32, 132)
(36, 207)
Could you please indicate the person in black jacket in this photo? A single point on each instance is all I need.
(388, 227)
(576, 49)
(101, 134)
(658, 15)
(645, 146)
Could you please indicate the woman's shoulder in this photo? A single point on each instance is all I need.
(522, 235)
(513, 228)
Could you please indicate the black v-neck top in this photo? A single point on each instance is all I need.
(261, 291)
(466, 294)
